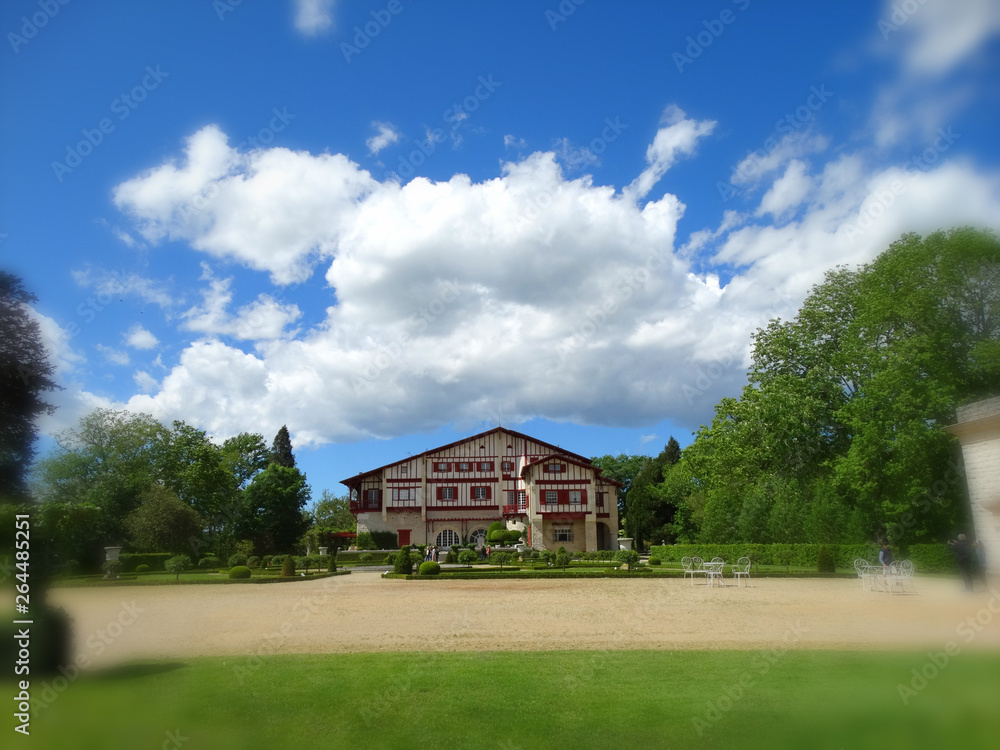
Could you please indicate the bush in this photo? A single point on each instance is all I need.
(824, 561)
(468, 557)
(364, 540)
(429, 568)
(500, 558)
(628, 557)
(303, 563)
(563, 559)
(237, 559)
(155, 560)
(403, 563)
(932, 558)
(416, 557)
(239, 571)
(253, 561)
(112, 568)
(512, 535)
(278, 560)
(390, 559)
(288, 567)
(654, 561)
(385, 539)
(142, 568)
(209, 562)
(266, 561)
(495, 526)
(451, 557)
(497, 537)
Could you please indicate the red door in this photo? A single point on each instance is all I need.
(404, 537)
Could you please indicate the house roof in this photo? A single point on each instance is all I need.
(563, 454)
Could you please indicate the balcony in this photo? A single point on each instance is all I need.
(567, 510)
(365, 506)
(521, 509)
(470, 504)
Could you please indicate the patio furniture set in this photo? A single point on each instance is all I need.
(884, 578)
(714, 570)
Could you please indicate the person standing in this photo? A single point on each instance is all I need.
(964, 559)
(885, 555)
(981, 561)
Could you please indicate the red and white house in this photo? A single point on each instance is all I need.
(455, 492)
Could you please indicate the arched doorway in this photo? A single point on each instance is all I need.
(603, 536)
(446, 538)
(478, 537)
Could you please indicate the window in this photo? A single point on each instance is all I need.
(507, 466)
(447, 538)
(574, 497)
(463, 467)
(404, 471)
(481, 493)
(478, 537)
(447, 493)
(404, 494)
(551, 496)
(373, 495)
(563, 534)
(600, 499)
(442, 467)
(486, 466)
(522, 497)
(554, 468)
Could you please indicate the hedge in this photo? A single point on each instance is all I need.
(154, 560)
(927, 558)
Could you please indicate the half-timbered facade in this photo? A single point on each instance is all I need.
(453, 493)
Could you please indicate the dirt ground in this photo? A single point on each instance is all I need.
(363, 612)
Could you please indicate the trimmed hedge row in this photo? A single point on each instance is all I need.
(927, 558)
(154, 560)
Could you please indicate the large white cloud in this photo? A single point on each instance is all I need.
(546, 295)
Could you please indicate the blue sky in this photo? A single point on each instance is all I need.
(391, 224)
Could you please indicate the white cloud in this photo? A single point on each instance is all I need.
(678, 138)
(114, 356)
(774, 154)
(109, 284)
(643, 439)
(386, 136)
(264, 318)
(510, 141)
(313, 17)
(557, 297)
(575, 157)
(145, 382)
(139, 338)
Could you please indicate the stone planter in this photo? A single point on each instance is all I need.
(624, 542)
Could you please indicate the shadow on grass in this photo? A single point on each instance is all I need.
(133, 671)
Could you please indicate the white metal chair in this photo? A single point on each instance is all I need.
(686, 564)
(742, 570)
(714, 571)
(697, 566)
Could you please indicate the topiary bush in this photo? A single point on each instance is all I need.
(468, 557)
(288, 567)
(654, 561)
(278, 560)
(239, 571)
(403, 564)
(429, 568)
(142, 568)
(267, 560)
(209, 561)
(416, 557)
(177, 565)
(628, 557)
(237, 559)
(563, 559)
(253, 561)
(512, 535)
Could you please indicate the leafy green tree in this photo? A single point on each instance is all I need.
(332, 512)
(25, 376)
(621, 468)
(196, 470)
(245, 456)
(162, 522)
(628, 557)
(468, 557)
(272, 509)
(177, 565)
(281, 449)
(646, 509)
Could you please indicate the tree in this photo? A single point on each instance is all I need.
(281, 449)
(621, 468)
(177, 565)
(197, 471)
(162, 522)
(333, 512)
(403, 564)
(272, 509)
(25, 376)
(245, 456)
(467, 557)
(646, 509)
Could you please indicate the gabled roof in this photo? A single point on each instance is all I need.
(582, 460)
(562, 457)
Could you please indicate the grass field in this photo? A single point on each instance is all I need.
(567, 699)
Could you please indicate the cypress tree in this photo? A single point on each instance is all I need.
(281, 449)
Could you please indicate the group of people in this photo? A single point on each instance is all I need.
(430, 554)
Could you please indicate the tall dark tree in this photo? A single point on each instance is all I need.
(647, 510)
(25, 375)
(273, 515)
(281, 450)
(622, 468)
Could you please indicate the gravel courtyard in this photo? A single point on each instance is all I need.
(363, 612)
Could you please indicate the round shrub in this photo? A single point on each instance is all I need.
(142, 568)
(253, 561)
(288, 567)
(240, 571)
(237, 559)
(512, 535)
(209, 561)
(468, 557)
(429, 568)
(655, 561)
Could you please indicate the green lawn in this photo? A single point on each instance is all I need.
(810, 699)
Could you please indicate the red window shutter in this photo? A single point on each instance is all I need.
(563, 497)
(583, 496)
(489, 493)
(439, 492)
